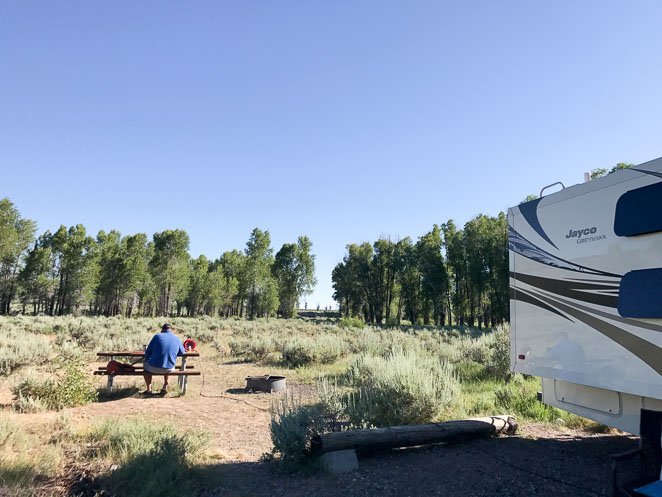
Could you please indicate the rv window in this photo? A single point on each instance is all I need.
(639, 211)
(640, 294)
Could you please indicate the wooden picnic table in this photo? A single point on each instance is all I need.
(181, 373)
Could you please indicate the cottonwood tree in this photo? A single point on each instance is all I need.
(601, 171)
(434, 280)
(221, 291)
(232, 265)
(262, 291)
(294, 271)
(409, 278)
(198, 286)
(72, 268)
(37, 278)
(169, 268)
(123, 272)
(448, 276)
(16, 235)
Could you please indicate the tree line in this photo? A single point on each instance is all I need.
(448, 276)
(70, 271)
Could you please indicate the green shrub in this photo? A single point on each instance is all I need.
(403, 388)
(498, 363)
(323, 349)
(519, 398)
(153, 460)
(299, 352)
(470, 371)
(260, 349)
(21, 349)
(351, 323)
(239, 346)
(293, 424)
(253, 348)
(27, 459)
(71, 386)
(491, 350)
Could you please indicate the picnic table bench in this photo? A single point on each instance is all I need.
(183, 370)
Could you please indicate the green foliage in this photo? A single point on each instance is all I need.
(21, 349)
(123, 272)
(293, 424)
(323, 349)
(254, 348)
(258, 281)
(294, 271)
(519, 397)
(599, 172)
(16, 234)
(402, 388)
(26, 459)
(447, 276)
(169, 267)
(498, 363)
(153, 460)
(491, 351)
(70, 386)
(351, 323)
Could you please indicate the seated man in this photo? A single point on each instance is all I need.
(161, 356)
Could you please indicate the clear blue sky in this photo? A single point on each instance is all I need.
(342, 121)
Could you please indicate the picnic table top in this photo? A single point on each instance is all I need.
(137, 353)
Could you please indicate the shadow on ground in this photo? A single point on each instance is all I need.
(118, 393)
(508, 467)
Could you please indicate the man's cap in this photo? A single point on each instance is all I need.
(165, 326)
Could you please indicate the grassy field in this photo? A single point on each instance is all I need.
(340, 373)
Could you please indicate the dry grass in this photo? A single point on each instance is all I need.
(58, 449)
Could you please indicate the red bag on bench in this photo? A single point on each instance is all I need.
(114, 367)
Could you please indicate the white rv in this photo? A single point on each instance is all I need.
(586, 295)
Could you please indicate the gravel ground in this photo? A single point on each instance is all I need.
(540, 462)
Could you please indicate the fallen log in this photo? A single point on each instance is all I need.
(412, 435)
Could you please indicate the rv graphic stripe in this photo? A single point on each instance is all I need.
(572, 289)
(522, 296)
(652, 173)
(614, 317)
(648, 352)
(520, 245)
(530, 212)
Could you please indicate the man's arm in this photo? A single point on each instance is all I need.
(149, 349)
(182, 350)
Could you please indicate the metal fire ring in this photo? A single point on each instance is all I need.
(267, 383)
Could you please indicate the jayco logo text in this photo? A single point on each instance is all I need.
(581, 232)
(586, 235)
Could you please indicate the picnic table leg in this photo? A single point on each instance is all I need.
(109, 384)
(182, 379)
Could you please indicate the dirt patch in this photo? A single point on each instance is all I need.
(563, 463)
(540, 461)
(237, 422)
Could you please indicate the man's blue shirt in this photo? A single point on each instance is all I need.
(163, 350)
